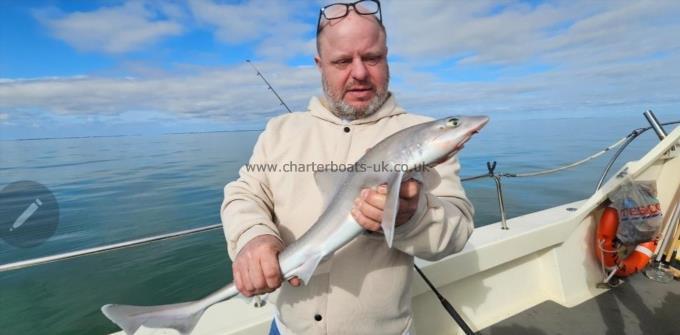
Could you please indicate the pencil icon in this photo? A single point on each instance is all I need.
(30, 210)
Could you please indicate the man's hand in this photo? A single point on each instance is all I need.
(369, 206)
(256, 267)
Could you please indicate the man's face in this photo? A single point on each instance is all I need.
(353, 64)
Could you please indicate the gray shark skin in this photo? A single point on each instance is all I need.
(403, 152)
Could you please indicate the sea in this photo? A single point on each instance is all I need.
(113, 189)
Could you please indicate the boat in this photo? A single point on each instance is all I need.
(542, 263)
(532, 274)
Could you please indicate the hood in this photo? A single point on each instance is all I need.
(318, 106)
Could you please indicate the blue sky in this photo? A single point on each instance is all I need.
(81, 68)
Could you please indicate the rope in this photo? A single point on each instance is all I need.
(577, 163)
(491, 167)
(548, 171)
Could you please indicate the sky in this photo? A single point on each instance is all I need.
(101, 68)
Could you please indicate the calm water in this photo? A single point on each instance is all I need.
(120, 188)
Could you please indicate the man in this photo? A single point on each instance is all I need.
(364, 288)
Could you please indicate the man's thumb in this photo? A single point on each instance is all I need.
(295, 281)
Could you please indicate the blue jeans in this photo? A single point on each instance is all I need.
(273, 330)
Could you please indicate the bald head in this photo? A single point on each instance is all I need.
(352, 59)
(368, 22)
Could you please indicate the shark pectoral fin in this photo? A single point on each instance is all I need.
(391, 208)
(306, 270)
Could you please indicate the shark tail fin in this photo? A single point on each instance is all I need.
(182, 317)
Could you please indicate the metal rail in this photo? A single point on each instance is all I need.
(622, 144)
(491, 166)
(654, 122)
(103, 248)
(633, 135)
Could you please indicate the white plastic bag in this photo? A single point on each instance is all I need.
(639, 212)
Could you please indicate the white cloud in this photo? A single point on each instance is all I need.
(613, 89)
(4, 117)
(237, 95)
(131, 26)
(228, 94)
(556, 57)
(511, 32)
(279, 27)
(240, 22)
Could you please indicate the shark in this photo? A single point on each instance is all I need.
(399, 155)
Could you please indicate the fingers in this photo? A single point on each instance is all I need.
(256, 267)
(237, 278)
(408, 201)
(242, 278)
(295, 281)
(368, 208)
(271, 271)
(375, 198)
(255, 282)
(364, 221)
(371, 205)
(410, 189)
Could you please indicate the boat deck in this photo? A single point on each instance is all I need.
(639, 306)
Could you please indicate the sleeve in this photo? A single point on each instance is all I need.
(443, 222)
(247, 209)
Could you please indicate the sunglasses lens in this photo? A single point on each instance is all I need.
(340, 10)
(335, 11)
(367, 7)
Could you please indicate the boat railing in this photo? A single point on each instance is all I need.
(621, 144)
(491, 173)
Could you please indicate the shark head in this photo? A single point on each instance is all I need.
(439, 140)
(449, 135)
(430, 143)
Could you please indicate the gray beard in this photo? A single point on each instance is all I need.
(347, 112)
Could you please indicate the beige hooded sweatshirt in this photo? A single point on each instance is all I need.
(365, 287)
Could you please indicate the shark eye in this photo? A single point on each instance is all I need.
(452, 122)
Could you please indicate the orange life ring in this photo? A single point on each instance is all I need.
(606, 248)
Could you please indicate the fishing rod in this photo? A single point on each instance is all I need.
(447, 305)
(269, 85)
